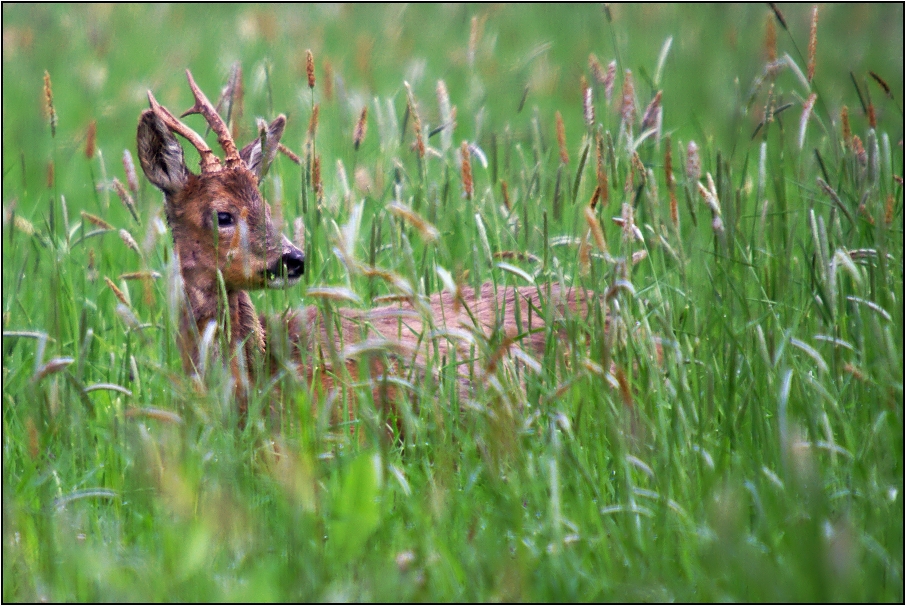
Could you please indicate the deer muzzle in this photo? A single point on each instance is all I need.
(288, 267)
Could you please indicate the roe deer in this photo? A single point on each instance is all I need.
(221, 225)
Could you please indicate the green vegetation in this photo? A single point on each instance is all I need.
(736, 435)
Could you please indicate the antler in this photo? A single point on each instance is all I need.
(209, 162)
(203, 106)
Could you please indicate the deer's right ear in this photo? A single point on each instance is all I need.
(257, 159)
(160, 154)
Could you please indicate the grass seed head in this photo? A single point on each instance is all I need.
(597, 71)
(650, 117)
(48, 100)
(116, 291)
(96, 220)
(313, 122)
(90, 139)
(588, 107)
(505, 192)
(361, 128)
(473, 40)
(129, 168)
(859, 151)
(446, 116)
(125, 197)
(770, 40)
(693, 162)
(416, 122)
(609, 79)
(467, 185)
(813, 44)
(310, 68)
(129, 241)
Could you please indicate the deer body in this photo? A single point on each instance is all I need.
(226, 244)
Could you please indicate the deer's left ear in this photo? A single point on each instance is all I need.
(257, 159)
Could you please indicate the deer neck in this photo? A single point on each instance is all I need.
(204, 304)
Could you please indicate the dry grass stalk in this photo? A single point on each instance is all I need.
(671, 183)
(813, 44)
(90, 139)
(693, 162)
(467, 185)
(882, 84)
(872, 119)
(48, 99)
(844, 124)
(601, 171)
(888, 211)
(561, 140)
(310, 68)
(596, 232)
(778, 14)
(627, 109)
(140, 275)
(505, 192)
(361, 128)
(50, 174)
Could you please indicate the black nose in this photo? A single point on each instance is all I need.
(294, 262)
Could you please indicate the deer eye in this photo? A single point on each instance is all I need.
(224, 219)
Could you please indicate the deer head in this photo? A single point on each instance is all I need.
(218, 217)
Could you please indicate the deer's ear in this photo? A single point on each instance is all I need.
(257, 160)
(160, 154)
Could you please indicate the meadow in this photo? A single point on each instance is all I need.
(729, 178)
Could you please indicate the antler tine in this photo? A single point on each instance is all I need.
(203, 106)
(209, 162)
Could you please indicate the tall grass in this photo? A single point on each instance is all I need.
(736, 431)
